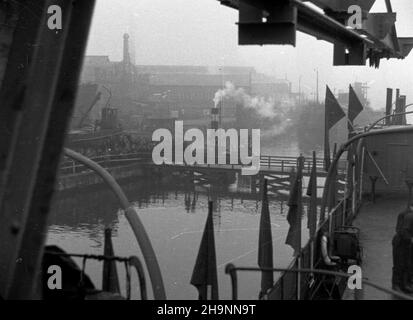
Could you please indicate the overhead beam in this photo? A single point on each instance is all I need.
(353, 46)
(322, 27)
(342, 5)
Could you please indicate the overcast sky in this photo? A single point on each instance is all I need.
(203, 32)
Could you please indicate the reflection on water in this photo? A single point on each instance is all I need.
(174, 213)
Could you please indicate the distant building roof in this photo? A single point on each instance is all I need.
(156, 69)
(97, 60)
(239, 80)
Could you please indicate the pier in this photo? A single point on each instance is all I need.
(277, 169)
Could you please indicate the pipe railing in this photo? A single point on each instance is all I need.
(282, 163)
(388, 116)
(231, 270)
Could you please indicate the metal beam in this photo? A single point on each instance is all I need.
(16, 70)
(24, 180)
(325, 27)
(31, 248)
(342, 5)
(322, 27)
(27, 141)
(310, 21)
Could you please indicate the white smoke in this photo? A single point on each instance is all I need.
(276, 129)
(264, 107)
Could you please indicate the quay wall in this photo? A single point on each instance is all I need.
(90, 178)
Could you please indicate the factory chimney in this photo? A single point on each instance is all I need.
(127, 76)
(126, 57)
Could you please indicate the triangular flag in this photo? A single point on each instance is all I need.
(333, 114)
(110, 280)
(204, 276)
(312, 192)
(265, 249)
(354, 105)
(294, 213)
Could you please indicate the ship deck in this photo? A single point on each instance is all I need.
(377, 224)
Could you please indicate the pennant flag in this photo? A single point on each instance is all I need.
(204, 276)
(265, 250)
(110, 281)
(354, 109)
(295, 210)
(354, 105)
(312, 192)
(333, 114)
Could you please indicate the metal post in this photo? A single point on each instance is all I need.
(73, 43)
(35, 100)
(300, 166)
(343, 216)
(361, 173)
(389, 99)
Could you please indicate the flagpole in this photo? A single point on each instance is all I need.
(313, 188)
(361, 173)
(300, 175)
(343, 216)
(353, 173)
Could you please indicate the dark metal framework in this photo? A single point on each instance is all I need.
(275, 22)
(37, 95)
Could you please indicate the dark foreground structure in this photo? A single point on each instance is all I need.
(39, 76)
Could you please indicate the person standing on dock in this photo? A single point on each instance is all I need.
(402, 252)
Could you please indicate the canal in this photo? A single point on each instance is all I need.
(174, 212)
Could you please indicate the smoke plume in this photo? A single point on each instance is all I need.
(265, 108)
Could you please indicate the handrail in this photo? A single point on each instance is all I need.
(135, 262)
(231, 270)
(388, 116)
(133, 219)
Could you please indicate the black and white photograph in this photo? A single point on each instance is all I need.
(206, 155)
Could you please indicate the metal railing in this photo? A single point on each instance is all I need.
(283, 164)
(287, 164)
(132, 261)
(286, 287)
(231, 270)
(69, 166)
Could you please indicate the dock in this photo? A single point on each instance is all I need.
(122, 166)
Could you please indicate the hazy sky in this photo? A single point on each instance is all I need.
(203, 32)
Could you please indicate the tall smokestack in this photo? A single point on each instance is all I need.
(126, 57)
(389, 105)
